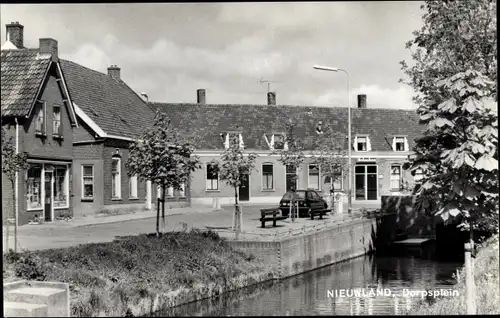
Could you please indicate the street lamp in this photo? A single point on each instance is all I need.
(349, 178)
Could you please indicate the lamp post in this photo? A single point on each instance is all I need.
(349, 177)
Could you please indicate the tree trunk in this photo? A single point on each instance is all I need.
(163, 195)
(237, 223)
(15, 214)
(332, 198)
(470, 288)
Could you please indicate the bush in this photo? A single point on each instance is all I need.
(30, 267)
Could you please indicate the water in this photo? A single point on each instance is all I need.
(307, 294)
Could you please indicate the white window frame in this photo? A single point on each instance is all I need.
(285, 144)
(42, 111)
(405, 143)
(118, 185)
(400, 177)
(55, 132)
(66, 185)
(365, 174)
(133, 188)
(309, 176)
(206, 179)
(41, 190)
(420, 173)
(262, 176)
(226, 140)
(83, 182)
(182, 192)
(368, 143)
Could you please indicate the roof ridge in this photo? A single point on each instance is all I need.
(86, 67)
(280, 106)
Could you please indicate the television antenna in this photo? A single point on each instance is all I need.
(262, 81)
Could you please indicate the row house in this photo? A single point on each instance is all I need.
(76, 124)
(37, 112)
(381, 143)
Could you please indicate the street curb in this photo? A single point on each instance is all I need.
(122, 221)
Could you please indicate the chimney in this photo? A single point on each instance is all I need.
(49, 46)
(15, 34)
(361, 101)
(271, 98)
(114, 71)
(201, 96)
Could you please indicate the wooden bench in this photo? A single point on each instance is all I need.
(270, 215)
(320, 212)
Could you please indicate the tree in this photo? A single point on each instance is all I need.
(330, 157)
(234, 167)
(454, 74)
(292, 154)
(162, 156)
(12, 163)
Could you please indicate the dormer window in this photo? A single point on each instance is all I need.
(231, 138)
(399, 143)
(362, 143)
(278, 142)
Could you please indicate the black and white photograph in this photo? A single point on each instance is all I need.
(250, 158)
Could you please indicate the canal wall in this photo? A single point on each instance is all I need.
(309, 251)
(411, 220)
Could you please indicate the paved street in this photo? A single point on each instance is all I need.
(64, 234)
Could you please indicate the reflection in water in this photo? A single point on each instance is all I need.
(307, 294)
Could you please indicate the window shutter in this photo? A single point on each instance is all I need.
(393, 143)
(368, 144)
(355, 143)
(407, 148)
(272, 142)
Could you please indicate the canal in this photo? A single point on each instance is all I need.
(307, 294)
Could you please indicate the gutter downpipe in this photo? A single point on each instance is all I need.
(16, 185)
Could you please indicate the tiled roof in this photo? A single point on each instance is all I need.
(208, 121)
(110, 103)
(22, 73)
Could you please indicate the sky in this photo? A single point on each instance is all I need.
(169, 50)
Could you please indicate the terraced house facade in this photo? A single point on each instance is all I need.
(37, 112)
(76, 125)
(381, 143)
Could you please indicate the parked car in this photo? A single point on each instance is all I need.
(305, 200)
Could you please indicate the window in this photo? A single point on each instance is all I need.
(88, 182)
(56, 121)
(182, 192)
(132, 186)
(313, 181)
(115, 178)
(419, 174)
(362, 144)
(292, 177)
(338, 182)
(170, 191)
(231, 139)
(267, 176)
(399, 144)
(34, 194)
(395, 177)
(61, 186)
(278, 142)
(40, 127)
(212, 177)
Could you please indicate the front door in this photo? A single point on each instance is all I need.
(365, 182)
(48, 196)
(244, 189)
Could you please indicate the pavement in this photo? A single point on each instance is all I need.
(84, 230)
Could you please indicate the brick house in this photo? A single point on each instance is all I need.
(381, 143)
(37, 112)
(110, 116)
